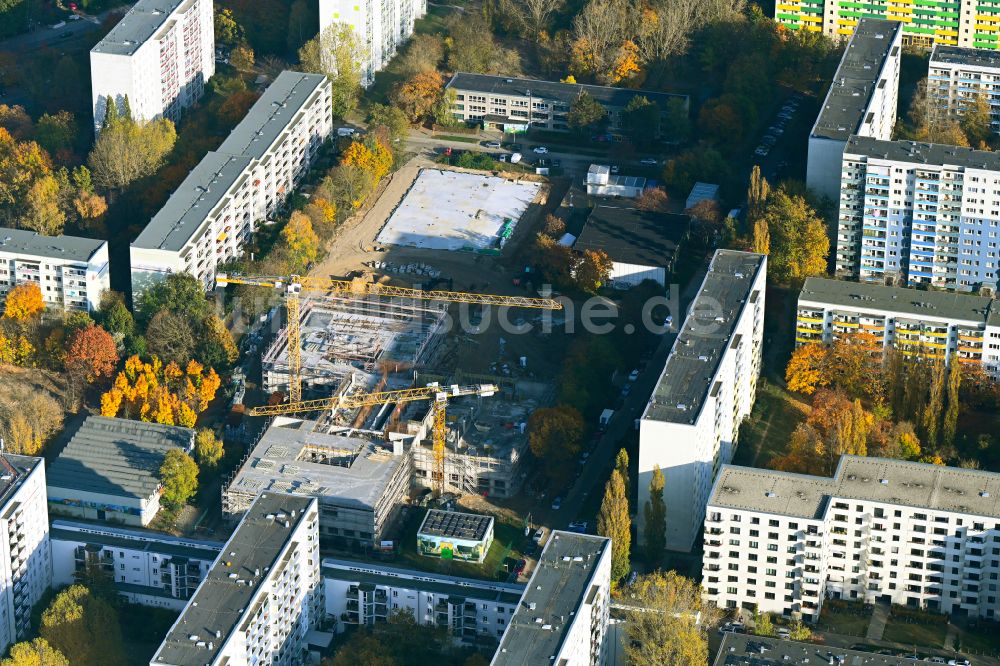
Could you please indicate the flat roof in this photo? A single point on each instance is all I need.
(140, 23)
(558, 587)
(900, 482)
(706, 332)
(116, 457)
(220, 602)
(746, 650)
(843, 110)
(919, 152)
(632, 236)
(13, 470)
(350, 469)
(902, 300)
(564, 92)
(454, 586)
(456, 525)
(957, 55)
(135, 539)
(70, 248)
(190, 204)
(271, 114)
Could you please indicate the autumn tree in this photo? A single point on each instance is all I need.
(555, 435)
(416, 95)
(654, 199)
(977, 121)
(798, 239)
(208, 448)
(57, 132)
(228, 32)
(424, 52)
(218, 349)
(621, 464)
(29, 419)
(555, 261)
(662, 629)
(41, 210)
(15, 119)
(593, 270)
(162, 394)
(930, 418)
(471, 47)
(180, 293)
(762, 625)
(35, 653)
(954, 397)
(599, 32)
(301, 241)
(335, 53)
(836, 426)
(179, 478)
(24, 302)
(126, 151)
(390, 118)
(800, 632)
(655, 519)
(22, 165)
(761, 239)
(586, 114)
(529, 18)
(613, 521)
(171, 337)
(91, 354)
(80, 624)
(372, 157)
(242, 58)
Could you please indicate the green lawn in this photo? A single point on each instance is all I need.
(766, 434)
(981, 639)
(910, 633)
(843, 622)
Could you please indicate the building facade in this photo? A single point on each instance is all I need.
(25, 550)
(261, 597)
(504, 104)
(919, 214)
(365, 594)
(972, 23)
(913, 534)
(862, 100)
(381, 27)
(563, 616)
(925, 324)
(957, 76)
(71, 272)
(159, 56)
(210, 217)
(690, 426)
(148, 568)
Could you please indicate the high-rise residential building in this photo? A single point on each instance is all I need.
(926, 324)
(366, 593)
(562, 618)
(146, 567)
(160, 55)
(262, 596)
(919, 213)
(381, 27)
(958, 76)
(912, 534)
(212, 214)
(957, 22)
(691, 424)
(862, 100)
(25, 552)
(71, 272)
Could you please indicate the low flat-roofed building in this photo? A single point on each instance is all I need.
(879, 529)
(743, 650)
(455, 535)
(147, 567)
(563, 616)
(359, 478)
(642, 245)
(701, 192)
(262, 596)
(366, 593)
(110, 470)
(601, 182)
(70, 271)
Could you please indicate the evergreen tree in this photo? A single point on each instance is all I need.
(126, 114)
(110, 114)
(655, 526)
(613, 522)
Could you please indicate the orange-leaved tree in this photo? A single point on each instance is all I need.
(162, 394)
(416, 96)
(91, 353)
(24, 302)
(806, 369)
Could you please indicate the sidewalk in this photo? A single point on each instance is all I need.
(877, 625)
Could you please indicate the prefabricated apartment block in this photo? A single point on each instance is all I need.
(691, 424)
(862, 100)
(262, 596)
(925, 324)
(160, 56)
(915, 213)
(957, 23)
(209, 218)
(381, 28)
(71, 272)
(360, 479)
(958, 76)
(880, 530)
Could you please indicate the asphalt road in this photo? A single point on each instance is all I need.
(45, 36)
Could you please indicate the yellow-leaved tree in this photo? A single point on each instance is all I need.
(806, 368)
(161, 394)
(24, 302)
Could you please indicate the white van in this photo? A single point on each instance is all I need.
(346, 131)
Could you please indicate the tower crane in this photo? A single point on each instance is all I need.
(294, 285)
(438, 395)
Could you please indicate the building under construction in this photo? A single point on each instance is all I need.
(347, 336)
(360, 478)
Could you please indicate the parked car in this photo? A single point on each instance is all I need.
(783, 632)
(626, 390)
(634, 375)
(346, 131)
(769, 140)
(959, 662)
(492, 144)
(649, 161)
(516, 147)
(580, 527)
(762, 151)
(777, 130)
(541, 150)
(502, 157)
(557, 504)
(515, 158)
